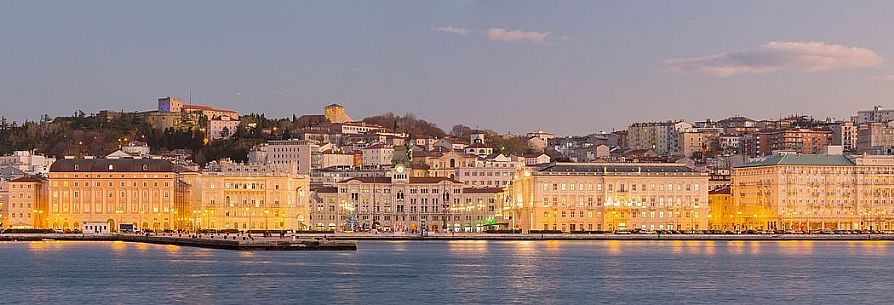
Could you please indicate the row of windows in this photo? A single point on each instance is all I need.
(622, 187)
(488, 174)
(110, 184)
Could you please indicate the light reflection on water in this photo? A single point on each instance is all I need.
(437, 272)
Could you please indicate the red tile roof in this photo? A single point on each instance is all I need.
(203, 107)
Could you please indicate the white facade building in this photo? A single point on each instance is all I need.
(378, 155)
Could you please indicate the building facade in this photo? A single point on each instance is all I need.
(26, 203)
(396, 202)
(302, 153)
(571, 197)
(662, 137)
(234, 196)
(815, 192)
(138, 192)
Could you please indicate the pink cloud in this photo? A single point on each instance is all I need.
(776, 56)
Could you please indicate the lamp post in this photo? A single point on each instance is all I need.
(266, 220)
(249, 218)
(118, 216)
(195, 214)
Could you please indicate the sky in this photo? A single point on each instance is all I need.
(570, 67)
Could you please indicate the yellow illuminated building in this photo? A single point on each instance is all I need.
(726, 215)
(234, 196)
(137, 192)
(815, 192)
(27, 203)
(610, 196)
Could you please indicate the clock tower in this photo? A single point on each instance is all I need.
(399, 174)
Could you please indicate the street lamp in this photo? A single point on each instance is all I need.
(249, 219)
(266, 218)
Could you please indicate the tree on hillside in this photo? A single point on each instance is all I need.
(461, 131)
(407, 123)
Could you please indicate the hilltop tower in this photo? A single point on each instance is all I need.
(335, 113)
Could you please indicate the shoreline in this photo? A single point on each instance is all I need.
(232, 243)
(349, 241)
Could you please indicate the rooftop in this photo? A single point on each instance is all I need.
(27, 179)
(801, 159)
(482, 190)
(602, 168)
(413, 180)
(112, 165)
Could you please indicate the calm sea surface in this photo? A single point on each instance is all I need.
(451, 272)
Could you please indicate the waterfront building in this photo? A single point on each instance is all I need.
(234, 196)
(26, 206)
(813, 192)
(397, 202)
(723, 215)
(483, 209)
(611, 196)
(138, 192)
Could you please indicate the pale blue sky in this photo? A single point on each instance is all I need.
(602, 66)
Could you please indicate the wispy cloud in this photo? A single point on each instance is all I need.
(510, 36)
(883, 77)
(775, 56)
(453, 30)
(516, 36)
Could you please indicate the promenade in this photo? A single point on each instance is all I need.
(607, 236)
(349, 241)
(227, 242)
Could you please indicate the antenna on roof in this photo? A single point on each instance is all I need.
(189, 97)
